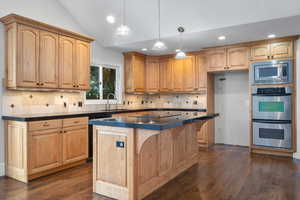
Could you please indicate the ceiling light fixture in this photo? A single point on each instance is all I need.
(123, 30)
(144, 49)
(110, 19)
(222, 37)
(180, 53)
(159, 45)
(271, 36)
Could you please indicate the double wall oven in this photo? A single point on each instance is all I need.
(271, 104)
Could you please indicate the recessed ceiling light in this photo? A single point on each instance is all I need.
(222, 37)
(271, 36)
(144, 49)
(177, 50)
(110, 19)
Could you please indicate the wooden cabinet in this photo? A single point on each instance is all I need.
(178, 65)
(152, 74)
(82, 65)
(134, 72)
(27, 72)
(41, 147)
(216, 60)
(201, 72)
(45, 150)
(231, 58)
(74, 144)
(272, 50)
(48, 65)
(189, 74)
(165, 75)
(40, 56)
(67, 62)
(237, 58)
(74, 63)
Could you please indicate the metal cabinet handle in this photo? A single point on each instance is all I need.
(46, 124)
(37, 83)
(41, 83)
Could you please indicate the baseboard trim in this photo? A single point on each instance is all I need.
(2, 169)
(296, 155)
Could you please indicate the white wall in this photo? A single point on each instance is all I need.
(51, 12)
(232, 102)
(297, 154)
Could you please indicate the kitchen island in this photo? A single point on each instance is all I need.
(133, 156)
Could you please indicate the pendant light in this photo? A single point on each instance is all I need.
(159, 45)
(123, 30)
(180, 53)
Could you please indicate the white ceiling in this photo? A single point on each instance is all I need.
(204, 21)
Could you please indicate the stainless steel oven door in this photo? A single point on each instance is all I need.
(272, 134)
(271, 107)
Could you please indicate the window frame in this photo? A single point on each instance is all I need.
(118, 91)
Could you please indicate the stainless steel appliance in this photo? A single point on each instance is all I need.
(271, 103)
(272, 133)
(271, 116)
(271, 72)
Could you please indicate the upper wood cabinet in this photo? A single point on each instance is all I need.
(165, 75)
(41, 56)
(135, 72)
(201, 72)
(178, 65)
(272, 50)
(27, 71)
(189, 74)
(48, 66)
(152, 74)
(229, 58)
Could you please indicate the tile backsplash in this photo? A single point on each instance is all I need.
(25, 102)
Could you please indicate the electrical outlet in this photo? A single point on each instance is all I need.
(79, 103)
(195, 102)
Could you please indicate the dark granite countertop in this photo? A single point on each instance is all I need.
(159, 121)
(91, 114)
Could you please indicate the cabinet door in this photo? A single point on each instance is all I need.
(44, 150)
(178, 75)
(128, 73)
(202, 135)
(216, 60)
(282, 50)
(82, 72)
(48, 60)
(237, 58)
(75, 142)
(201, 72)
(66, 62)
(152, 76)
(139, 73)
(260, 52)
(189, 74)
(28, 57)
(165, 75)
(179, 146)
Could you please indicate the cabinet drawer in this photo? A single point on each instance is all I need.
(75, 121)
(46, 124)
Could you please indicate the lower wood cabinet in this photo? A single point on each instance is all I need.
(34, 149)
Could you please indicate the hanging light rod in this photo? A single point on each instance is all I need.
(180, 53)
(159, 45)
(123, 29)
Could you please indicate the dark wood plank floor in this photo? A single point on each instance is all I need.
(223, 173)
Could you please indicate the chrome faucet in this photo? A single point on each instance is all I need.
(107, 106)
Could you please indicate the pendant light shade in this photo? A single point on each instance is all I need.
(159, 45)
(123, 29)
(180, 53)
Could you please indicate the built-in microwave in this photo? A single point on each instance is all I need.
(271, 72)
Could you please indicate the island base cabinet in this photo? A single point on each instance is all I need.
(131, 163)
(34, 149)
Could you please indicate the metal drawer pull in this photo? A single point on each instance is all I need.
(46, 124)
(75, 122)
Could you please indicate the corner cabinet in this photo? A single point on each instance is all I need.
(40, 56)
(135, 71)
(38, 148)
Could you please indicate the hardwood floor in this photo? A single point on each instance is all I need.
(223, 173)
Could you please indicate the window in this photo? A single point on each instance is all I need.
(105, 85)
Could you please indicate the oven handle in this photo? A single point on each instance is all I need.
(272, 95)
(266, 121)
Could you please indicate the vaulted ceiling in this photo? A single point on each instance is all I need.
(204, 21)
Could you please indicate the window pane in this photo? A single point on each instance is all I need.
(94, 84)
(109, 83)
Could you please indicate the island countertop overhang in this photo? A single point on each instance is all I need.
(152, 122)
